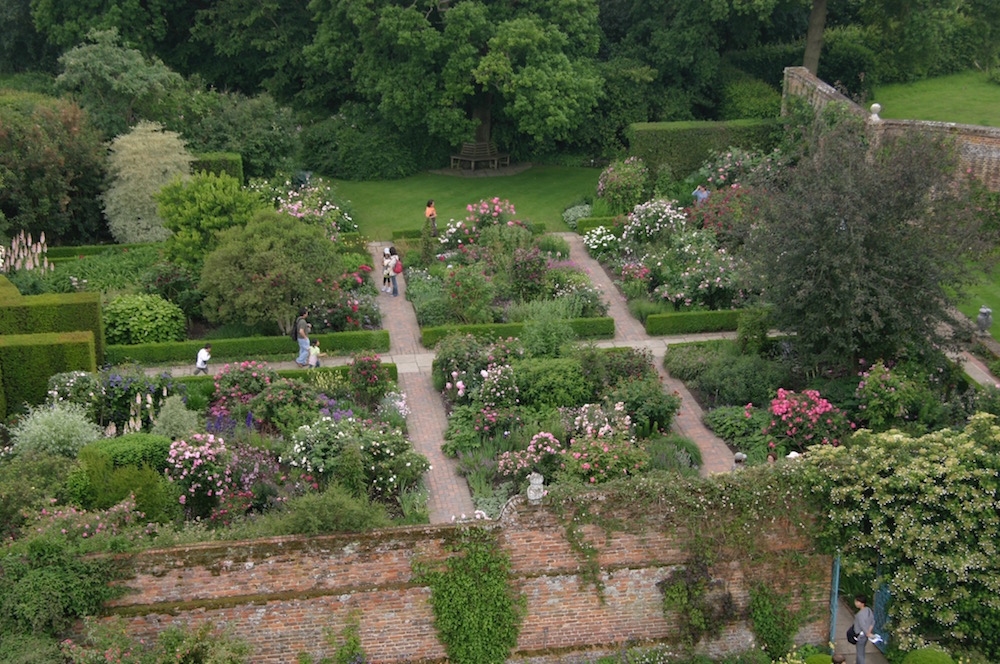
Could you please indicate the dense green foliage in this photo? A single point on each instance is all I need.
(51, 169)
(138, 319)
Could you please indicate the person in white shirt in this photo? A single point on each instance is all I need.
(201, 364)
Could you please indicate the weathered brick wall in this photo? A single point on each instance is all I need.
(979, 147)
(284, 594)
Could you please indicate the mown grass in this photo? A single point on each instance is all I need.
(965, 98)
(539, 195)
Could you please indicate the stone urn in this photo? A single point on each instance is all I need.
(985, 319)
(536, 488)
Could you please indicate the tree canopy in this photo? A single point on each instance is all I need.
(865, 246)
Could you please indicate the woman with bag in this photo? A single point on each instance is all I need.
(863, 627)
(395, 269)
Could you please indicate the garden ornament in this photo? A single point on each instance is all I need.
(875, 110)
(985, 319)
(536, 488)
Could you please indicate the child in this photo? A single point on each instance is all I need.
(386, 271)
(201, 363)
(314, 354)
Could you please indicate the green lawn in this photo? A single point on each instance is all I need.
(987, 292)
(539, 194)
(966, 98)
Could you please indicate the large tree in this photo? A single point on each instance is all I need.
(465, 69)
(862, 249)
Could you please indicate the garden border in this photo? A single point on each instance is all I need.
(585, 328)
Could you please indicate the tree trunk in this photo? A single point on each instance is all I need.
(814, 37)
(483, 114)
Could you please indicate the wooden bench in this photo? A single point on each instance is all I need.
(479, 153)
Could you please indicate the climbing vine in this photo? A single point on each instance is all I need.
(476, 612)
(702, 608)
(774, 624)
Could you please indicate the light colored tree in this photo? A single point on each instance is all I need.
(140, 164)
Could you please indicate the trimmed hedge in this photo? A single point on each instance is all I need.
(135, 449)
(585, 328)
(415, 233)
(203, 381)
(67, 253)
(230, 163)
(53, 312)
(587, 224)
(692, 321)
(246, 347)
(684, 146)
(28, 360)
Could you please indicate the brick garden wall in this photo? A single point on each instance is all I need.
(284, 594)
(979, 147)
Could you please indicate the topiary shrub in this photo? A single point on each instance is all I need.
(61, 428)
(928, 656)
(136, 319)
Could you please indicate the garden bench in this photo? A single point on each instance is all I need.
(478, 153)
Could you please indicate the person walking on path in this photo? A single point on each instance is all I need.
(395, 269)
(315, 354)
(864, 626)
(431, 215)
(386, 271)
(201, 362)
(302, 336)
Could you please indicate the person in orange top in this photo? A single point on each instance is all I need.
(431, 214)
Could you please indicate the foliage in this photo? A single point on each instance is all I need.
(314, 201)
(137, 319)
(175, 283)
(126, 399)
(602, 447)
(27, 486)
(51, 169)
(773, 623)
(673, 452)
(334, 510)
(746, 97)
(927, 656)
(688, 361)
(547, 337)
(701, 610)
(267, 270)
(801, 420)
(111, 81)
(387, 462)
(62, 429)
(922, 510)
(114, 269)
(196, 209)
(476, 611)
(623, 185)
(740, 380)
(198, 469)
(141, 163)
(849, 208)
(108, 640)
(889, 398)
(469, 294)
(96, 484)
(551, 382)
(369, 379)
(743, 428)
(575, 213)
(286, 404)
(356, 144)
(650, 408)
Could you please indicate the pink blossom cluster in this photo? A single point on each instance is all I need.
(599, 459)
(199, 467)
(804, 419)
(543, 447)
(72, 523)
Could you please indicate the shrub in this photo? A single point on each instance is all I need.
(136, 319)
(689, 361)
(141, 163)
(175, 283)
(27, 486)
(547, 337)
(195, 209)
(285, 405)
(175, 420)
(61, 428)
(572, 215)
(888, 398)
(52, 162)
(623, 184)
(198, 469)
(95, 484)
(690, 321)
(673, 452)
(741, 380)
(333, 510)
(742, 428)
(469, 294)
(551, 382)
(237, 384)
(369, 380)
(135, 449)
(746, 97)
(650, 408)
(126, 399)
(927, 656)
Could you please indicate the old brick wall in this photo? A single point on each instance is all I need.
(978, 147)
(285, 594)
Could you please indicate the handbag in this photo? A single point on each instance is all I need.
(852, 636)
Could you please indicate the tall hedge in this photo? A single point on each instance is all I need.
(684, 146)
(28, 360)
(62, 312)
(230, 163)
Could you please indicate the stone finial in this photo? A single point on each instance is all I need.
(536, 488)
(875, 110)
(985, 319)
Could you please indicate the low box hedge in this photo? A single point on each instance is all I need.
(585, 328)
(685, 322)
(66, 253)
(202, 382)
(246, 347)
(587, 224)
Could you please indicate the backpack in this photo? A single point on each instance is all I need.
(398, 267)
(295, 330)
